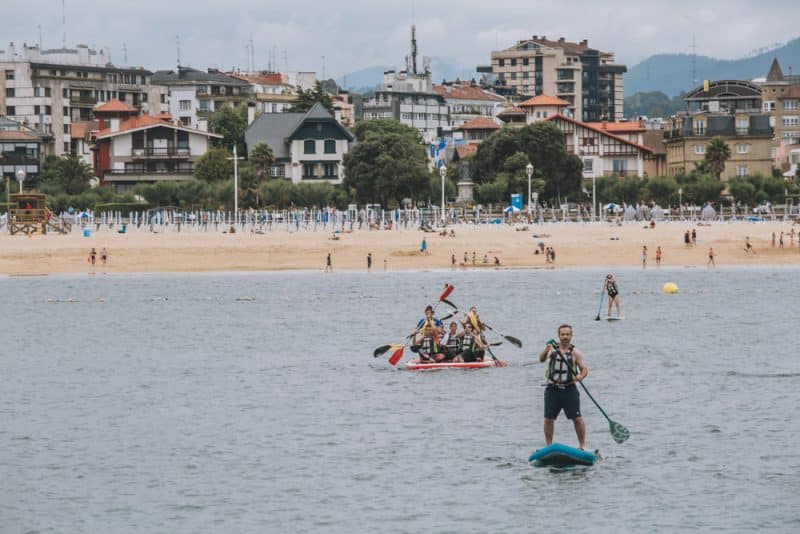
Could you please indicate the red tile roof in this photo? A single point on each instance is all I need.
(465, 151)
(114, 106)
(604, 132)
(271, 78)
(618, 127)
(543, 100)
(144, 121)
(81, 130)
(479, 123)
(466, 92)
(513, 110)
(18, 135)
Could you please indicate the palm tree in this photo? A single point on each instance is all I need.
(717, 153)
(262, 158)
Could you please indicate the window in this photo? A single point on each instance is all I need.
(186, 121)
(525, 61)
(9, 92)
(700, 129)
(65, 93)
(501, 62)
(513, 75)
(620, 165)
(277, 170)
(11, 110)
(9, 75)
(308, 170)
(741, 170)
(769, 105)
(790, 121)
(330, 146)
(699, 149)
(742, 148)
(588, 165)
(309, 146)
(790, 105)
(742, 126)
(329, 170)
(47, 92)
(204, 105)
(65, 112)
(513, 62)
(36, 109)
(66, 128)
(185, 105)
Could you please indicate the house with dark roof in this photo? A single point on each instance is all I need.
(781, 100)
(308, 147)
(195, 94)
(129, 149)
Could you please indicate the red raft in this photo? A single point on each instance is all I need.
(416, 365)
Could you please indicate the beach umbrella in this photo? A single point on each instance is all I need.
(708, 213)
(511, 209)
(630, 214)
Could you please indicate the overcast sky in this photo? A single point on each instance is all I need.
(354, 34)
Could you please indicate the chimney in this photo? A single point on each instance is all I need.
(251, 112)
(605, 124)
(585, 43)
(561, 40)
(535, 37)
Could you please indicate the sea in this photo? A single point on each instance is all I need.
(251, 402)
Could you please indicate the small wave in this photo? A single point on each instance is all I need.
(763, 375)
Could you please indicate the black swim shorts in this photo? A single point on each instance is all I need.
(556, 399)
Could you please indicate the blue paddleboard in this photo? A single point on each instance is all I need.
(558, 455)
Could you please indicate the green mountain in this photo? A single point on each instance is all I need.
(672, 73)
(370, 78)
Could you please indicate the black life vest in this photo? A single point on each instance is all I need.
(429, 345)
(559, 372)
(611, 287)
(468, 342)
(452, 343)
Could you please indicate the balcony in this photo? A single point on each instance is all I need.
(148, 176)
(82, 100)
(10, 158)
(160, 152)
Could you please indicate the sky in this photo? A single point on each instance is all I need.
(337, 38)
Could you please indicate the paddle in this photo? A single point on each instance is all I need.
(384, 348)
(499, 362)
(618, 432)
(602, 295)
(511, 339)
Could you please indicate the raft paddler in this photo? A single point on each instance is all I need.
(451, 343)
(565, 367)
(427, 324)
(478, 327)
(472, 346)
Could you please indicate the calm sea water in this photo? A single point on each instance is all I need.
(252, 403)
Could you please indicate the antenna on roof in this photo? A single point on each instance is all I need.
(63, 25)
(178, 45)
(40, 36)
(252, 55)
(323, 67)
(693, 46)
(124, 53)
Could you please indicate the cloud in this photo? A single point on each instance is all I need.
(353, 34)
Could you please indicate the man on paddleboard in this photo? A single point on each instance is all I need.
(565, 366)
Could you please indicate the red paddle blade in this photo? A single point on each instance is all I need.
(447, 290)
(396, 355)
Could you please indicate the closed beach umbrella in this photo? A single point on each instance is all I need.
(708, 213)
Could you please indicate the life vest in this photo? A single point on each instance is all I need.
(467, 342)
(611, 287)
(429, 345)
(558, 372)
(452, 343)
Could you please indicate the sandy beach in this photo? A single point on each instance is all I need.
(576, 245)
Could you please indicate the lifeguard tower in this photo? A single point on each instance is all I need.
(28, 214)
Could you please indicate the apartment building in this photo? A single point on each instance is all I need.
(588, 79)
(748, 133)
(271, 91)
(195, 94)
(408, 96)
(48, 90)
(467, 101)
(20, 149)
(781, 100)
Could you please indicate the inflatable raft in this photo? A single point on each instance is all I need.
(416, 365)
(558, 455)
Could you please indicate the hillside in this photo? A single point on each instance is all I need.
(370, 78)
(672, 73)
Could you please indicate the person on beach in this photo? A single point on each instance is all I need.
(424, 246)
(328, 264)
(565, 366)
(748, 247)
(773, 239)
(658, 256)
(687, 238)
(104, 256)
(93, 257)
(644, 257)
(780, 241)
(384, 264)
(694, 237)
(453, 261)
(612, 290)
(369, 261)
(711, 255)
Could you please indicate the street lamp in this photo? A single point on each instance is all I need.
(529, 171)
(535, 202)
(235, 159)
(443, 173)
(21, 178)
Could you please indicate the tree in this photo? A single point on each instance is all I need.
(663, 190)
(742, 190)
(387, 164)
(307, 99)
(717, 153)
(67, 174)
(262, 159)
(214, 165)
(231, 123)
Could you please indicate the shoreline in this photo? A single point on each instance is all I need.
(577, 245)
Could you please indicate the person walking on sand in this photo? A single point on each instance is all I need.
(773, 239)
(104, 256)
(780, 242)
(424, 247)
(565, 366)
(748, 248)
(644, 257)
(93, 257)
(369, 261)
(658, 256)
(328, 264)
(453, 261)
(711, 254)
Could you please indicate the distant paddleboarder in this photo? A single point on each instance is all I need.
(613, 294)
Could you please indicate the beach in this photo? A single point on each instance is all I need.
(576, 245)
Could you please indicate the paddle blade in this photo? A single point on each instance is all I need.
(597, 318)
(447, 290)
(449, 304)
(501, 363)
(514, 341)
(380, 350)
(396, 356)
(618, 432)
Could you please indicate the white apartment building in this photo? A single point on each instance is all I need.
(48, 90)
